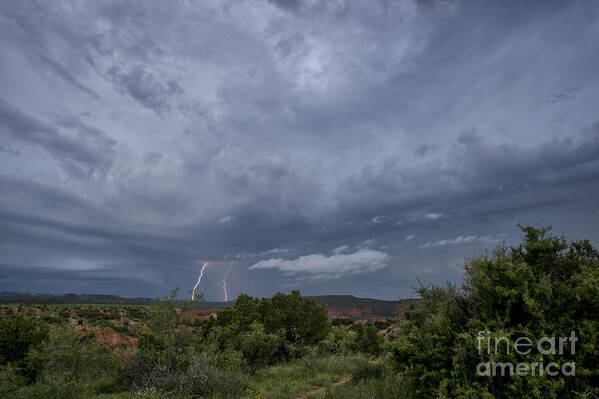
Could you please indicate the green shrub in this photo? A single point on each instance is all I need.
(259, 347)
(18, 335)
(339, 341)
(74, 359)
(341, 321)
(367, 340)
(10, 380)
(381, 325)
(545, 287)
(188, 376)
(301, 319)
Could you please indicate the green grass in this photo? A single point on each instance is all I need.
(74, 366)
(390, 386)
(299, 376)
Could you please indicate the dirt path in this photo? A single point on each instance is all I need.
(316, 391)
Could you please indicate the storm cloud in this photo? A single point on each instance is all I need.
(333, 147)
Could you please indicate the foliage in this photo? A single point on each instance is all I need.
(544, 287)
(341, 321)
(268, 330)
(389, 385)
(259, 347)
(302, 319)
(190, 376)
(339, 341)
(293, 378)
(18, 336)
(284, 346)
(74, 357)
(367, 340)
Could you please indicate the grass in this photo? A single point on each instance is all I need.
(294, 378)
(391, 386)
(76, 362)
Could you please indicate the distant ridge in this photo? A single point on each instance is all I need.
(349, 306)
(19, 297)
(344, 306)
(99, 299)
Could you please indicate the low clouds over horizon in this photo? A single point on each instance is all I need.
(331, 147)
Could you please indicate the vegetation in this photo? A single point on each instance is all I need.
(444, 346)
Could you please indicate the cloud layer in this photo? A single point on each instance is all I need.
(372, 143)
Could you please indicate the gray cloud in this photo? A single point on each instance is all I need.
(424, 149)
(81, 152)
(145, 87)
(474, 172)
(140, 139)
(61, 71)
(287, 4)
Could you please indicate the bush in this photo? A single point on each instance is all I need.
(367, 340)
(10, 380)
(342, 321)
(302, 320)
(339, 341)
(259, 347)
(544, 287)
(18, 335)
(72, 358)
(190, 376)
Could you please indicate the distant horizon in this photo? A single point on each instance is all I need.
(183, 297)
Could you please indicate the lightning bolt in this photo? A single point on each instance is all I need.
(225, 281)
(193, 292)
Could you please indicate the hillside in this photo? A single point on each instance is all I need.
(19, 297)
(349, 306)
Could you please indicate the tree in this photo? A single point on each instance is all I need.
(268, 329)
(544, 287)
(302, 319)
(367, 340)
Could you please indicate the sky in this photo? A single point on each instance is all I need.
(335, 147)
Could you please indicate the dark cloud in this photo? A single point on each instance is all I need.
(478, 172)
(424, 149)
(145, 87)
(61, 71)
(369, 143)
(81, 153)
(287, 4)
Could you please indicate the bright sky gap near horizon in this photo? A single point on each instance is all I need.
(336, 147)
